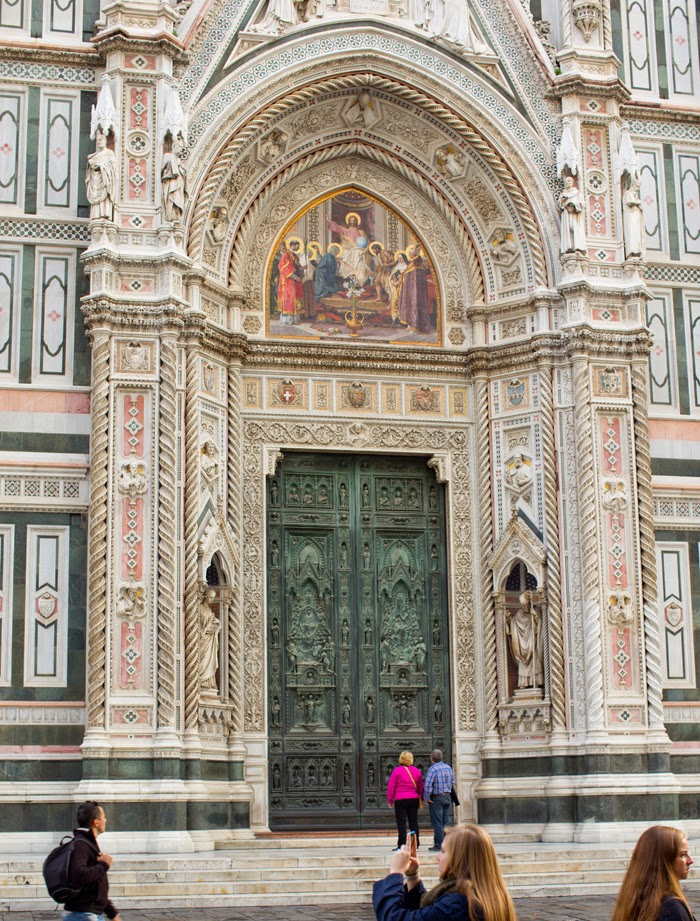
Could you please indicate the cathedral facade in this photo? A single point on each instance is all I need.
(349, 403)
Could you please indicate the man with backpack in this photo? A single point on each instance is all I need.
(88, 869)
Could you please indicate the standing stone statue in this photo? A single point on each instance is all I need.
(101, 180)
(633, 217)
(524, 631)
(210, 627)
(174, 184)
(573, 233)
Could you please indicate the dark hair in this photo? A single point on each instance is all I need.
(436, 755)
(87, 813)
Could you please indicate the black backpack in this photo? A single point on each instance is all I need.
(56, 871)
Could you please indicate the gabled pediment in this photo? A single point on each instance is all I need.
(518, 543)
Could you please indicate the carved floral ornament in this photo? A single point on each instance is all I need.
(471, 171)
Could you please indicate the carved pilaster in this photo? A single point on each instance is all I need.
(551, 516)
(589, 544)
(192, 452)
(167, 534)
(235, 484)
(99, 477)
(652, 642)
(488, 611)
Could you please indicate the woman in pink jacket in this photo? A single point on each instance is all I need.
(404, 793)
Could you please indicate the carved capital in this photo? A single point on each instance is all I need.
(440, 463)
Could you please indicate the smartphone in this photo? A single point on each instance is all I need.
(412, 844)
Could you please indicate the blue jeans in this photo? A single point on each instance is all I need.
(440, 807)
(82, 916)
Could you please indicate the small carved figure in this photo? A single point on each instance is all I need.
(347, 774)
(274, 492)
(308, 495)
(434, 558)
(413, 497)
(503, 247)
(633, 218)
(343, 495)
(368, 633)
(573, 233)
(293, 653)
(366, 556)
(210, 627)
(383, 497)
(419, 653)
(209, 466)
(276, 776)
(369, 709)
(363, 110)
(524, 631)
(173, 176)
(619, 611)
(345, 633)
(295, 780)
(449, 162)
(365, 495)
(101, 180)
(323, 494)
(293, 494)
(436, 632)
(275, 711)
(346, 711)
(437, 711)
(273, 146)
(370, 774)
(518, 475)
(432, 496)
(219, 224)
(311, 774)
(274, 555)
(343, 555)
(384, 654)
(403, 708)
(614, 496)
(326, 776)
(133, 480)
(275, 632)
(131, 602)
(398, 497)
(279, 16)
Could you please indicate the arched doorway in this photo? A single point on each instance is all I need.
(357, 633)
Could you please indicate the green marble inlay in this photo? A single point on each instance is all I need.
(44, 441)
(85, 146)
(91, 13)
(669, 466)
(671, 205)
(618, 44)
(31, 167)
(27, 315)
(81, 347)
(37, 18)
(661, 27)
(682, 353)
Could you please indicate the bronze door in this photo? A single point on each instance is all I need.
(357, 634)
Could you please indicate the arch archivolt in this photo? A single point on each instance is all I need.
(446, 241)
(410, 131)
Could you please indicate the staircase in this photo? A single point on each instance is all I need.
(312, 871)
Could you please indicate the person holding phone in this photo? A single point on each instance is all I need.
(471, 884)
(404, 793)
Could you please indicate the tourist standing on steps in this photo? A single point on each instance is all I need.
(651, 888)
(471, 886)
(88, 869)
(404, 793)
(439, 781)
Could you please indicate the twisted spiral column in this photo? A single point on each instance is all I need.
(99, 519)
(589, 544)
(167, 533)
(551, 516)
(490, 675)
(233, 465)
(191, 516)
(647, 545)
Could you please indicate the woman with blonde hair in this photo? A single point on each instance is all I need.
(404, 792)
(650, 890)
(471, 886)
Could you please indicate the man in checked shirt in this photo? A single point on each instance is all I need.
(438, 782)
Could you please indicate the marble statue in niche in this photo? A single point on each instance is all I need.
(573, 233)
(524, 632)
(633, 218)
(173, 177)
(101, 180)
(210, 627)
